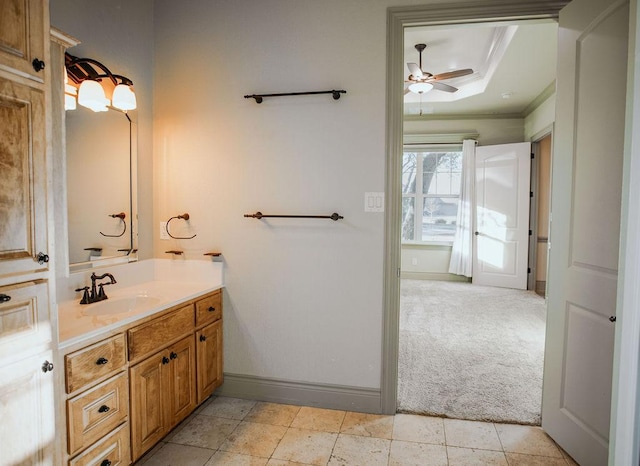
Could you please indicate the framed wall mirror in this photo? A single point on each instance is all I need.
(101, 161)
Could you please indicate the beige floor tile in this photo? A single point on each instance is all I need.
(254, 439)
(367, 425)
(325, 420)
(172, 454)
(230, 408)
(528, 440)
(225, 458)
(205, 431)
(472, 457)
(413, 428)
(272, 413)
(353, 449)
(471, 434)
(274, 462)
(417, 454)
(150, 453)
(305, 446)
(517, 459)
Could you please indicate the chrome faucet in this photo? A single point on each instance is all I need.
(94, 294)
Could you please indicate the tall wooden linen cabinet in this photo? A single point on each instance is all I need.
(28, 327)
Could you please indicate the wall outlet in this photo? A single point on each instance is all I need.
(163, 231)
(414, 261)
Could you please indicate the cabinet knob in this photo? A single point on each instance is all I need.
(103, 409)
(101, 361)
(47, 366)
(211, 308)
(202, 338)
(173, 355)
(612, 318)
(165, 360)
(42, 258)
(4, 298)
(38, 64)
(105, 463)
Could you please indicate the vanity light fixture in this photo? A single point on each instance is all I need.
(97, 87)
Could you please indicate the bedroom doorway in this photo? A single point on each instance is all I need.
(471, 352)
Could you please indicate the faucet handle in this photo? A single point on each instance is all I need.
(101, 294)
(85, 296)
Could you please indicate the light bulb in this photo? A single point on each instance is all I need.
(91, 95)
(124, 97)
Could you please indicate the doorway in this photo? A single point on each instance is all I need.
(433, 371)
(398, 19)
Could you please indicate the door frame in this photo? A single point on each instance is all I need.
(625, 418)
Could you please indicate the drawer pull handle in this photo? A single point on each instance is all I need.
(105, 463)
(202, 338)
(211, 308)
(102, 361)
(4, 298)
(173, 355)
(103, 409)
(165, 360)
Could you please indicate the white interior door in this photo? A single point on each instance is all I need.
(502, 215)
(585, 226)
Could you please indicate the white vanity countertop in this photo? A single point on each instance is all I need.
(76, 324)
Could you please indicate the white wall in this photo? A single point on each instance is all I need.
(541, 118)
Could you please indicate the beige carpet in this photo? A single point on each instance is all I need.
(470, 352)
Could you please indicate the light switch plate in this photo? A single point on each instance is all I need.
(374, 202)
(163, 231)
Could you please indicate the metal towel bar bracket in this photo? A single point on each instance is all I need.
(334, 216)
(259, 97)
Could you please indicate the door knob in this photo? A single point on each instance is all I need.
(47, 366)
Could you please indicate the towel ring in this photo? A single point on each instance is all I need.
(185, 217)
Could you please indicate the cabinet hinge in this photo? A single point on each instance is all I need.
(530, 232)
(530, 193)
(532, 156)
(529, 270)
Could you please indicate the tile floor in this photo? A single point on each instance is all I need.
(231, 431)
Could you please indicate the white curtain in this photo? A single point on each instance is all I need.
(462, 252)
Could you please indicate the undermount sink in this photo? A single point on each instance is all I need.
(121, 305)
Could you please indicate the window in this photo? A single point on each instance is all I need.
(430, 193)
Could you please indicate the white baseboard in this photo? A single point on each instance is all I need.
(449, 277)
(362, 400)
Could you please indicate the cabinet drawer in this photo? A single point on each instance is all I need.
(149, 337)
(113, 450)
(209, 309)
(96, 412)
(93, 362)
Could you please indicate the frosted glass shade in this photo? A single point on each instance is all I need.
(70, 93)
(420, 88)
(91, 95)
(123, 98)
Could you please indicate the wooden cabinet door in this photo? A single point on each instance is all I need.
(147, 403)
(22, 36)
(23, 234)
(209, 354)
(27, 434)
(181, 380)
(25, 326)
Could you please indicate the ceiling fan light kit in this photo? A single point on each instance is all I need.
(422, 81)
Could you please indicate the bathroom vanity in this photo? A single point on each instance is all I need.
(138, 363)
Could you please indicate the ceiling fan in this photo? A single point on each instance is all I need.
(422, 81)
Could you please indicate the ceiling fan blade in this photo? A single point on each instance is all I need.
(406, 91)
(415, 70)
(442, 86)
(453, 74)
